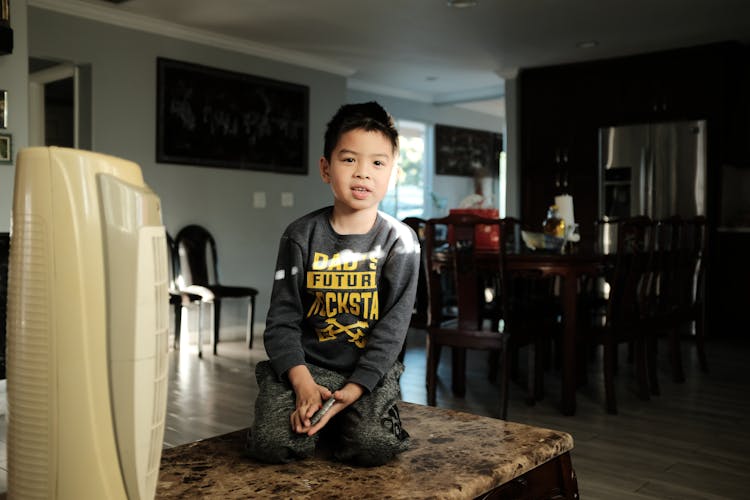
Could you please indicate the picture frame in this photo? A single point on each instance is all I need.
(3, 108)
(6, 149)
(5, 13)
(462, 151)
(219, 118)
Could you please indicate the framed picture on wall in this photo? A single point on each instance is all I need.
(6, 149)
(463, 151)
(4, 12)
(3, 109)
(217, 118)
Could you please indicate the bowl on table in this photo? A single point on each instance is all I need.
(540, 242)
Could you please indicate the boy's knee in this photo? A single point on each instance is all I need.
(275, 449)
(375, 441)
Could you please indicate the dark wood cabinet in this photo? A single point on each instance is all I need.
(558, 143)
(727, 276)
(735, 94)
(563, 107)
(684, 84)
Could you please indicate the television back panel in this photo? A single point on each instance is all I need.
(87, 328)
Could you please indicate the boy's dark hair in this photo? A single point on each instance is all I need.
(368, 116)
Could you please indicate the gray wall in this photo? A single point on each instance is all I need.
(14, 79)
(123, 66)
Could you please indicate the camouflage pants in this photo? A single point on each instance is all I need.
(366, 433)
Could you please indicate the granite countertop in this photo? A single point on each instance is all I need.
(453, 455)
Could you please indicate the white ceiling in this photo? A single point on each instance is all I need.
(422, 49)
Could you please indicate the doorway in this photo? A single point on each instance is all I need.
(59, 104)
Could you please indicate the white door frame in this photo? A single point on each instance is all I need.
(37, 81)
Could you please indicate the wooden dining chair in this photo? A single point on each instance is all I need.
(484, 309)
(453, 268)
(691, 285)
(676, 303)
(419, 315)
(662, 297)
(624, 320)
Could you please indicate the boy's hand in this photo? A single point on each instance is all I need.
(310, 397)
(344, 397)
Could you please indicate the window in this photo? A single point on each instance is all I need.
(406, 194)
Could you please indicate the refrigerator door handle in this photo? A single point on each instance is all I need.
(643, 178)
(649, 182)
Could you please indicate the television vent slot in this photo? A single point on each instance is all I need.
(159, 414)
(29, 337)
(161, 361)
(161, 285)
(159, 243)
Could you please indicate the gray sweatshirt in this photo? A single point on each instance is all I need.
(342, 302)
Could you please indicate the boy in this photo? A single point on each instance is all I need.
(342, 299)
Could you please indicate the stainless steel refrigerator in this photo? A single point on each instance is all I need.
(654, 169)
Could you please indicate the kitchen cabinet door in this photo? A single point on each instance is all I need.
(558, 142)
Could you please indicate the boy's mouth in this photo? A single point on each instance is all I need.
(360, 192)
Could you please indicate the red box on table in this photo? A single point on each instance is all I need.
(487, 237)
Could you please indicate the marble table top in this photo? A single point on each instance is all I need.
(453, 455)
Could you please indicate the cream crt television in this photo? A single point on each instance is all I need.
(87, 328)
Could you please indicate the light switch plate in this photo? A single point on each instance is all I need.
(287, 199)
(259, 199)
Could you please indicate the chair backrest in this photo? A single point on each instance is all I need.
(453, 275)
(605, 236)
(173, 267)
(417, 224)
(664, 263)
(516, 285)
(419, 314)
(629, 281)
(691, 260)
(196, 250)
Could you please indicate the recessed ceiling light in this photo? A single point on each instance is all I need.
(587, 44)
(461, 4)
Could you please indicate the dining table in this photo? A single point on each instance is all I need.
(570, 267)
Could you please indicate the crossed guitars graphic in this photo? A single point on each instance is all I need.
(334, 328)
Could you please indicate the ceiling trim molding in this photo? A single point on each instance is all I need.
(385, 90)
(114, 16)
(507, 73)
(464, 100)
(483, 94)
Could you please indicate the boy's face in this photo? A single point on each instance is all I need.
(359, 170)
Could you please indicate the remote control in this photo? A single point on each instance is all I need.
(319, 414)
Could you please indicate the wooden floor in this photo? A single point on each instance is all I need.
(691, 442)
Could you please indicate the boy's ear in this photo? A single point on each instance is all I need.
(324, 167)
